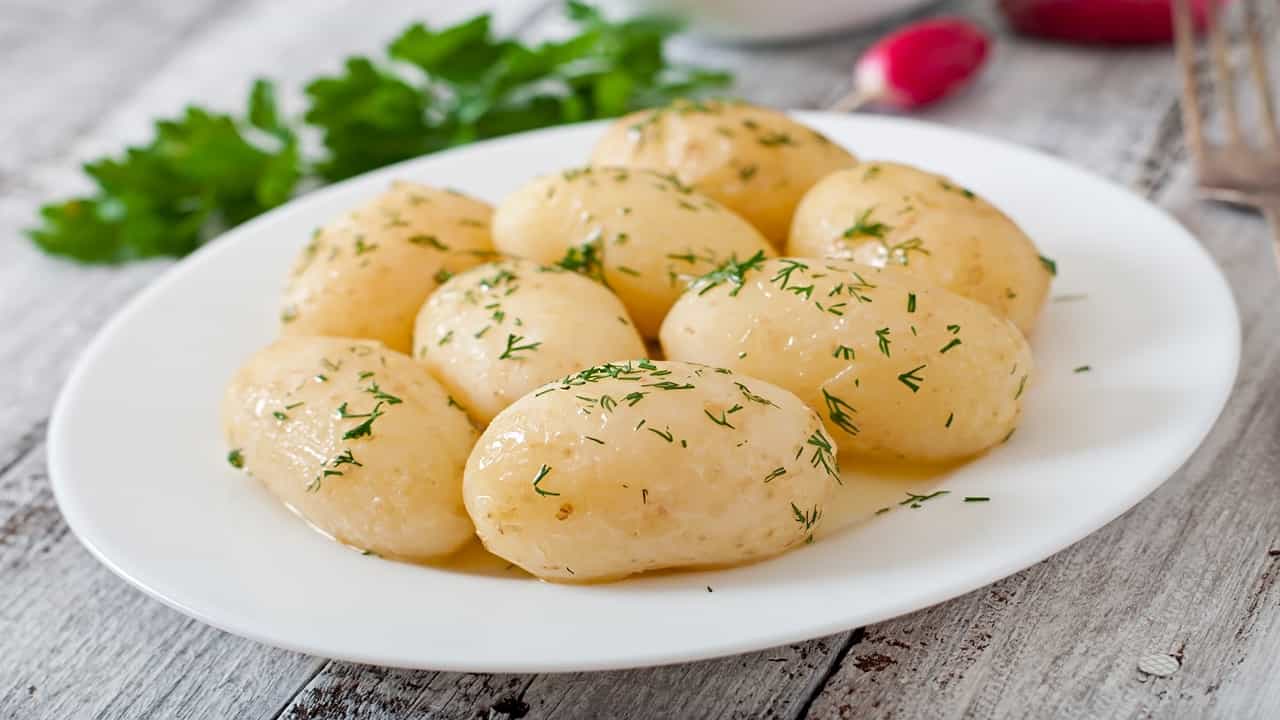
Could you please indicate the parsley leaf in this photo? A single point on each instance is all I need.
(165, 198)
(205, 171)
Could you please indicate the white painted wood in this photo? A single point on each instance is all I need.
(1187, 572)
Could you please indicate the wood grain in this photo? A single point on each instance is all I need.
(1188, 572)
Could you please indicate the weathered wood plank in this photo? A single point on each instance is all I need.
(775, 683)
(1189, 572)
(51, 308)
(365, 692)
(1043, 638)
(63, 46)
(77, 642)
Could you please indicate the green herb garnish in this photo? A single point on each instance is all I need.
(731, 271)
(428, 241)
(823, 455)
(721, 421)
(759, 399)
(514, 346)
(864, 227)
(378, 394)
(542, 474)
(913, 500)
(664, 434)
(882, 335)
(364, 429)
(203, 171)
(840, 412)
(911, 380)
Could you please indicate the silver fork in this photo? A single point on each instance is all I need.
(1233, 171)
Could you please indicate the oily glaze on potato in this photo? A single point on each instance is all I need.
(641, 233)
(882, 213)
(366, 274)
(358, 439)
(498, 331)
(896, 368)
(635, 466)
(756, 161)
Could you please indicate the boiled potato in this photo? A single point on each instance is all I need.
(366, 274)
(756, 161)
(635, 466)
(882, 213)
(642, 234)
(897, 368)
(356, 438)
(500, 330)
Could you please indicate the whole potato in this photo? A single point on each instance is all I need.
(502, 329)
(366, 274)
(635, 466)
(641, 233)
(356, 438)
(882, 213)
(896, 368)
(758, 162)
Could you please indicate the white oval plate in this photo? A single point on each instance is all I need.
(137, 460)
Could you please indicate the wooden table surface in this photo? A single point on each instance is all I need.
(1192, 571)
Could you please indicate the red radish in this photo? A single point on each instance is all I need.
(918, 64)
(1118, 22)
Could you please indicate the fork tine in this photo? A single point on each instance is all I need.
(1225, 76)
(1257, 58)
(1184, 35)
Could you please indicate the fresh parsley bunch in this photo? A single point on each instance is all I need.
(204, 171)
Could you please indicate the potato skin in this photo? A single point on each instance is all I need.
(756, 161)
(466, 327)
(366, 274)
(946, 383)
(929, 226)
(643, 234)
(584, 480)
(395, 490)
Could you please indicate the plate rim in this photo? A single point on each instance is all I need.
(846, 620)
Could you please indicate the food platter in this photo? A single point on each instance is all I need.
(139, 472)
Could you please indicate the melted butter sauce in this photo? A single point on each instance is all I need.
(475, 560)
(870, 485)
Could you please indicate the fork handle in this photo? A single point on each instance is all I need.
(1272, 214)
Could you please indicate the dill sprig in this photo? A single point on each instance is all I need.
(914, 500)
(514, 346)
(731, 271)
(863, 226)
(537, 479)
(840, 412)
